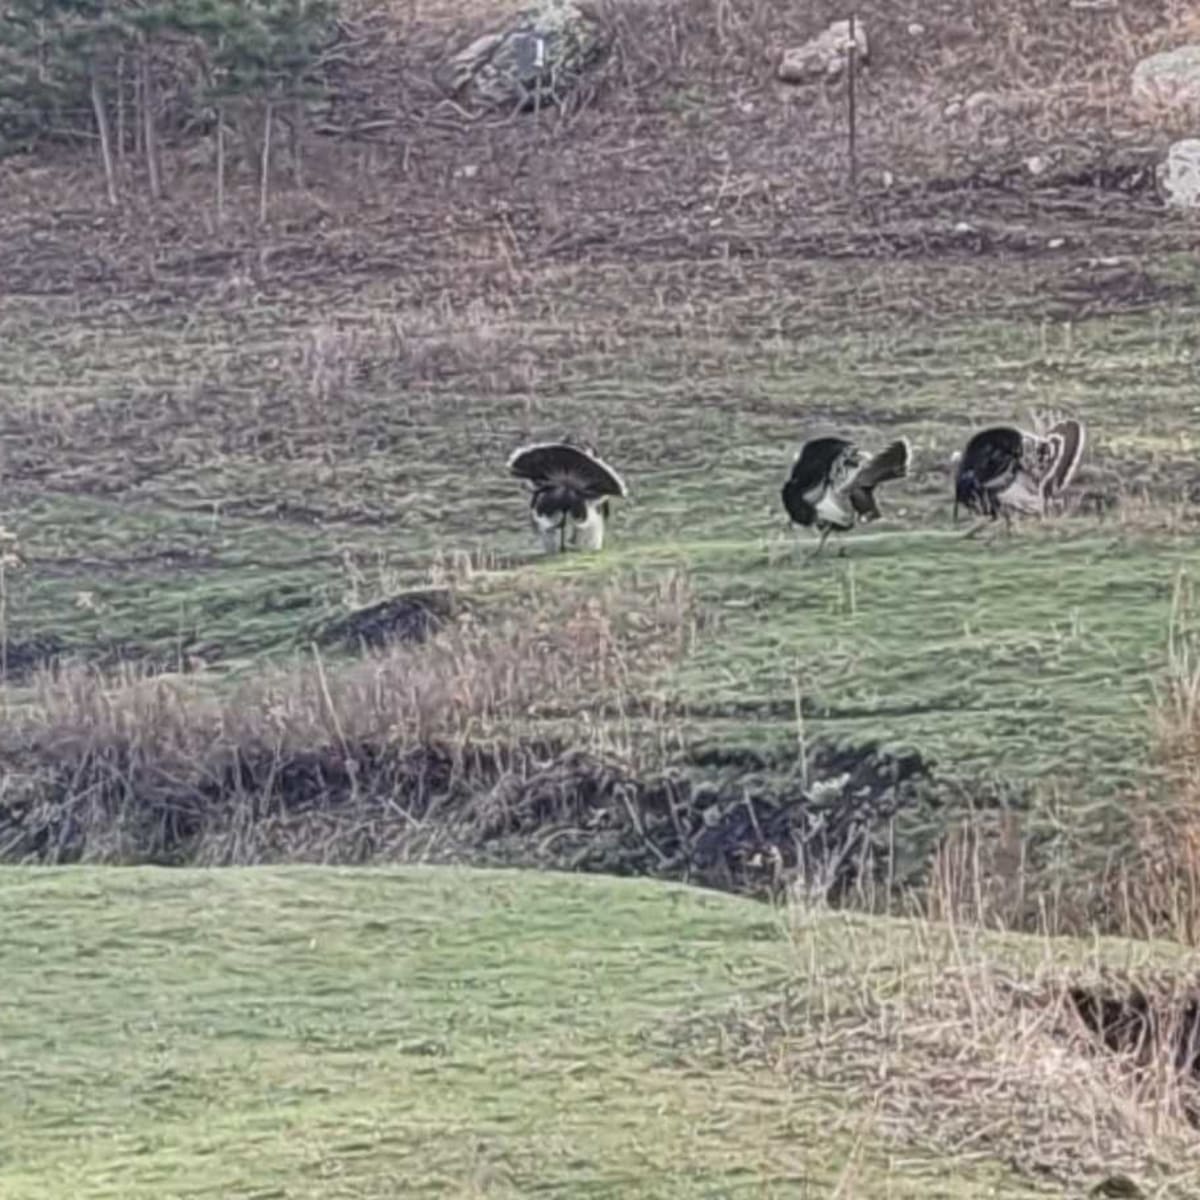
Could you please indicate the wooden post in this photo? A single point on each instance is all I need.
(298, 141)
(149, 132)
(852, 113)
(264, 182)
(121, 135)
(220, 162)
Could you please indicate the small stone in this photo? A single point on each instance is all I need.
(1179, 175)
(1171, 78)
(1037, 164)
(916, 29)
(825, 56)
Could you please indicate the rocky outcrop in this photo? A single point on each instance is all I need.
(536, 62)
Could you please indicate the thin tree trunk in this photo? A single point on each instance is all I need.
(220, 163)
(852, 104)
(139, 102)
(298, 142)
(121, 134)
(264, 179)
(149, 136)
(101, 114)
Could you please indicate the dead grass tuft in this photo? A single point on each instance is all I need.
(1157, 890)
(133, 767)
(955, 1048)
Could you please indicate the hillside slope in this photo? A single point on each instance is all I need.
(435, 1032)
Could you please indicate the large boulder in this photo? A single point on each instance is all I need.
(1179, 175)
(826, 56)
(1170, 79)
(533, 63)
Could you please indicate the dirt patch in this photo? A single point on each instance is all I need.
(752, 831)
(26, 657)
(412, 617)
(23, 657)
(1094, 289)
(1143, 1023)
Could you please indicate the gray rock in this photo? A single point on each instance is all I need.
(1170, 79)
(1179, 175)
(825, 56)
(534, 63)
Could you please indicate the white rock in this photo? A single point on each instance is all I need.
(825, 56)
(1171, 78)
(1179, 176)
(1037, 164)
(916, 29)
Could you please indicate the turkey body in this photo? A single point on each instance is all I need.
(571, 489)
(832, 483)
(1005, 470)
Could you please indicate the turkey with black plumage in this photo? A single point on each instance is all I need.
(1005, 470)
(833, 481)
(571, 489)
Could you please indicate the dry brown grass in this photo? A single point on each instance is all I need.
(129, 767)
(979, 1047)
(1156, 890)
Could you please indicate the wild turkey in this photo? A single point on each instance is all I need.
(571, 492)
(1006, 470)
(833, 482)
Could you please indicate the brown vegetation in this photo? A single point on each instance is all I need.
(686, 152)
(687, 147)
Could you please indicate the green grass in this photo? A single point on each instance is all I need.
(217, 485)
(442, 1032)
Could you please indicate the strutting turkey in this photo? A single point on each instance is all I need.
(1005, 470)
(572, 488)
(833, 482)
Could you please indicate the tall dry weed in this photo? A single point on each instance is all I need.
(1139, 877)
(127, 766)
(1158, 889)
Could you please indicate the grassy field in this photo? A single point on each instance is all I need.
(208, 482)
(436, 1032)
(222, 435)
